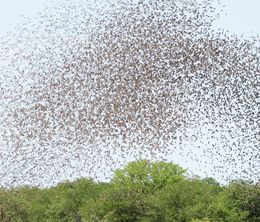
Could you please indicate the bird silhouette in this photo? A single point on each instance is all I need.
(89, 85)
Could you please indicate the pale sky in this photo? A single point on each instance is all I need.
(11, 11)
(242, 16)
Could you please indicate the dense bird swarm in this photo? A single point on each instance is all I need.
(86, 85)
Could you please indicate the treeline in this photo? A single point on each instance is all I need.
(142, 191)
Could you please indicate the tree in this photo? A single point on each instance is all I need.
(133, 192)
(12, 206)
(148, 175)
(67, 198)
(244, 197)
(187, 200)
(143, 191)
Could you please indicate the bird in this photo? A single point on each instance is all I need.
(93, 86)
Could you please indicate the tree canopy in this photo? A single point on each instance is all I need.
(141, 191)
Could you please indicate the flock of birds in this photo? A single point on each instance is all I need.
(87, 86)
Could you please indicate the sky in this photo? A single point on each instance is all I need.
(12, 11)
(239, 16)
(242, 16)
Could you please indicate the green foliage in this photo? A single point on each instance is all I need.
(11, 207)
(68, 197)
(186, 200)
(245, 198)
(143, 191)
(118, 205)
(147, 175)
(200, 220)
